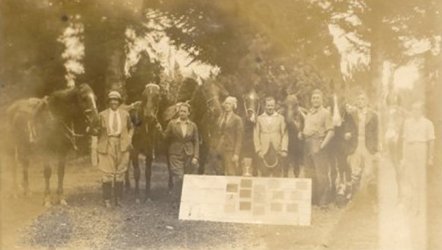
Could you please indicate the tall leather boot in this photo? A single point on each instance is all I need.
(107, 194)
(118, 192)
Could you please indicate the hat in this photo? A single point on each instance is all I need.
(114, 95)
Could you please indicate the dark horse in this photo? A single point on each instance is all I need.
(205, 110)
(44, 128)
(146, 140)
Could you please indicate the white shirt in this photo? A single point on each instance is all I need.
(362, 114)
(418, 130)
(112, 115)
(183, 126)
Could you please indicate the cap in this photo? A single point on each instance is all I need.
(114, 95)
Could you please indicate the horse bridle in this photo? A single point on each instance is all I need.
(150, 87)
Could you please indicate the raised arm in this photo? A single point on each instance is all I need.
(256, 139)
(239, 131)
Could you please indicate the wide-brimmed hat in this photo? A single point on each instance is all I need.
(114, 95)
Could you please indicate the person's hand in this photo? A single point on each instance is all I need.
(194, 161)
(235, 159)
(158, 126)
(260, 154)
(347, 136)
(300, 135)
(283, 154)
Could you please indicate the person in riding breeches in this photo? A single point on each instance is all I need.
(183, 140)
(114, 142)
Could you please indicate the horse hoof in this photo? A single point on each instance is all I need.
(147, 200)
(107, 204)
(47, 204)
(63, 202)
(137, 201)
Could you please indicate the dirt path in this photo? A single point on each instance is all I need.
(85, 224)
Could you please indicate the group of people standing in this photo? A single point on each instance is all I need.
(340, 156)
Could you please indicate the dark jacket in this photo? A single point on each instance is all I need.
(371, 131)
(229, 135)
(179, 143)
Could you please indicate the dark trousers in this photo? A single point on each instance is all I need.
(223, 164)
(317, 167)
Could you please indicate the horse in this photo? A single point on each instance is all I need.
(204, 99)
(294, 117)
(339, 150)
(44, 128)
(146, 140)
(251, 109)
(205, 111)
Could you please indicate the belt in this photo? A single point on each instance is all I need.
(114, 136)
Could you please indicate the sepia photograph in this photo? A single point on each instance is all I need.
(221, 124)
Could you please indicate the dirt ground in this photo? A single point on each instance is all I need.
(85, 224)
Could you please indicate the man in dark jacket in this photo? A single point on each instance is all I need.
(362, 134)
(228, 139)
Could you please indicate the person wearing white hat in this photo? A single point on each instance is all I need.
(114, 141)
(228, 139)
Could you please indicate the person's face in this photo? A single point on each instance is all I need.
(270, 107)
(361, 101)
(114, 104)
(316, 100)
(184, 113)
(228, 106)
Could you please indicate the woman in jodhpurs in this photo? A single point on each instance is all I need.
(114, 140)
(181, 135)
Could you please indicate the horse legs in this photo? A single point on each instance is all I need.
(25, 181)
(204, 154)
(47, 175)
(127, 180)
(60, 174)
(148, 174)
(136, 166)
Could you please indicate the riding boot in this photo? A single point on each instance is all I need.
(107, 193)
(118, 192)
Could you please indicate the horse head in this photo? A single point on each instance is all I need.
(86, 101)
(211, 91)
(251, 104)
(151, 102)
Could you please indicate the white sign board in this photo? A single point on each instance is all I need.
(279, 201)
